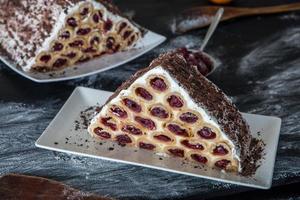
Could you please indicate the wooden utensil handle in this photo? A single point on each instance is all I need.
(273, 9)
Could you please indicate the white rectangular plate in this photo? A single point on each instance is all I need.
(97, 65)
(62, 127)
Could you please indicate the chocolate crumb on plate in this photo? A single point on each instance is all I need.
(110, 148)
(85, 117)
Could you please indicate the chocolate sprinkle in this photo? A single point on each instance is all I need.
(110, 148)
(85, 117)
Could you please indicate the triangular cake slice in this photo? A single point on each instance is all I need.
(169, 108)
(45, 35)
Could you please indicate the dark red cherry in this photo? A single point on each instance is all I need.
(146, 146)
(123, 140)
(220, 150)
(198, 59)
(147, 123)
(184, 51)
(45, 58)
(100, 14)
(107, 122)
(59, 62)
(99, 131)
(57, 46)
(108, 25)
(95, 40)
(163, 138)
(199, 158)
(96, 18)
(176, 152)
(84, 11)
(110, 42)
(119, 112)
(175, 101)
(72, 22)
(76, 43)
(158, 84)
(126, 34)
(188, 117)
(65, 35)
(191, 145)
(143, 93)
(132, 105)
(83, 31)
(122, 26)
(176, 129)
(159, 112)
(90, 50)
(222, 163)
(206, 133)
(132, 130)
(131, 39)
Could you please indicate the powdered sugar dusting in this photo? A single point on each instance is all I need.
(271, 51)
(272, 70)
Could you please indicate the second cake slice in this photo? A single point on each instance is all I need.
(51, 35)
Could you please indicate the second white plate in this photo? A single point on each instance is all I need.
(97, 65)
(81, 143)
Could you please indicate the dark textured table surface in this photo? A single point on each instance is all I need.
(259, 69)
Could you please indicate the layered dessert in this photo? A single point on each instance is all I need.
(48, 35)
(170, 109)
